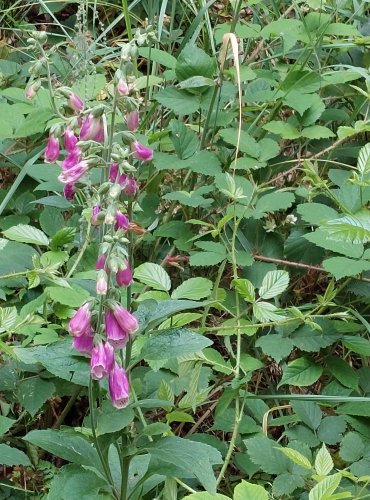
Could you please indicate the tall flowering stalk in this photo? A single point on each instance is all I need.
(88, 138)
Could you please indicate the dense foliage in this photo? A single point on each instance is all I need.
(199, 222)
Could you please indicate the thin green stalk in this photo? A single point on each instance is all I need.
(126, 13)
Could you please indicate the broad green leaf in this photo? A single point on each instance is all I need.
(265, 312)
(160, 56)
(246, 490)
(72, 297)
(8, 316)
(203, 495)
(276, 346)
(190, 456)
(51, 220)
(245, 289)
(350, 228)
(309, 412)
(316, 213)
(72, 481)
(66, 444)
(341, 267)
(153, 275)
(90, 86)
(323, 462)
(193, 289)
(214, 253)
(156, 428)
(34, 123)
(296, 457)
(191, 198)
(341, 29)
(309, 339)
(357, 344)
(352, 447)
(331, 429)
(185, 140)
(202, 162)
(193, 61)
(272, 202)
(5, 424)
(323, 239)
(284, 129)
(325, 488)
(285, 484)
(168, 344)
(27, 234)
(179, 320)
(301, 372)
(247, 144)
(317, 132)
(264, 452)
(343, 372)
(109, 419)
(179, 101)
(201, 83)
(33, 393)
(273, 284)
(12, 456)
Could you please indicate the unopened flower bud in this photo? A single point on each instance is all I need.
(102, 283)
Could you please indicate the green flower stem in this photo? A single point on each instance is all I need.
(81, 252)
(126, 13)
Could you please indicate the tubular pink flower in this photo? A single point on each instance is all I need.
(69, 191)
(132, 120)
(84, 343)
(117, 337)
(52, 150)
(102, 360)
(101, 262)
(141, 152)
(71, 160)
(122, 87)
(125, 319)
(113, 171)
(99, 137)
(80, 323)
(119, 387)
(122, 221)
(128, 184)
(124, 276)
(30, 92)
(75, 102)
(70, 141)
(91, 127)
(94, 218)
(74, 173)
(102, 283)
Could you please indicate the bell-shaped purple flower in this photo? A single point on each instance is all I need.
(84, 343)
(69, 191)
(128, 184)
(141, 152)
(101, 262)
(52, 149)
(102, 283)
(113, 171)
(119, 388)
(75, 102)
(102, 360)
(71, 159)
(117, 337)
(132, 120)
(122, 221)
(74, 173)
(122, 87)
(70, 141)
(80, 323)
(124, 276)
(125, 319)
(91, 128)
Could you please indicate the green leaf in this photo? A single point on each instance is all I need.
(72, 482)
(203, 495)
(8, 316)
(34, 123)
(110, 419)
(72, 297)
(191, 198)
(202, 162)
(179, 416)
(357, 344)
(286, 483)
(193, 61)
(214, 254)
(12, 456)
(296, 457)
(190, 456)
(51, 220)
(272, 202)
(301, 372)
(308, 339)
(284, 129)
(193, 289)
(54, 201)
(66, 444)
(185, 141)
(179, 101)
(341, 267)
(265, 312)
(331, 429)
(246, 490)
(167, 344)
(276, 346)
(245, 289)
(351, 228)
(352, 447)
(322, 239)
(160, 56)
(263, 452)
(200, 83)
(325, 488)
(5, 424)
(316, 213)
(153, 275)
(344, 373)
(33, 393)
(247, 144)
(273, 284)
(323, 462)
(317, 132)
(309, 412)
(27, 234)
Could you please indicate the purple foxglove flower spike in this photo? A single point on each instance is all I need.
(113, 171)
(125, 319)
(102, 283)
(122, 88)
(91, 127)
(124, 276)
(84, 343)
(132, 120)
(102, 360)
(80, 323)
(71, 160)
(75, 102)
(94, 218)
(122, 221)
(141, 152)
(70, 141)
(69, 191)
(119, 388)
(74, 173)
(52, 149)
(117, 337)
(128, 184)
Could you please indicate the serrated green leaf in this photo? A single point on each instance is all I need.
(110, 419)
(272, 202)
(309, 412)
(301, 372)
(273, 284)
(316, 213)
(285, 484)
(167, 344)
(33, 393)
(185, 140)
(351, 228)
(160, 56)
(12, 456)
(323, 462)
(276, 346)
(24, 233)
(331, 429)
(153, 275)
(246, 490)
(245, 289)
(352, 447)
(317, 132)
(179, 101)
(73, 297)
(325, 488)
(247, 144)
(265, 312)
(357, 344)
(193, 289)
(343, 372)
(340, 267)
(263, 452)
(284, 129)
(296, 457)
